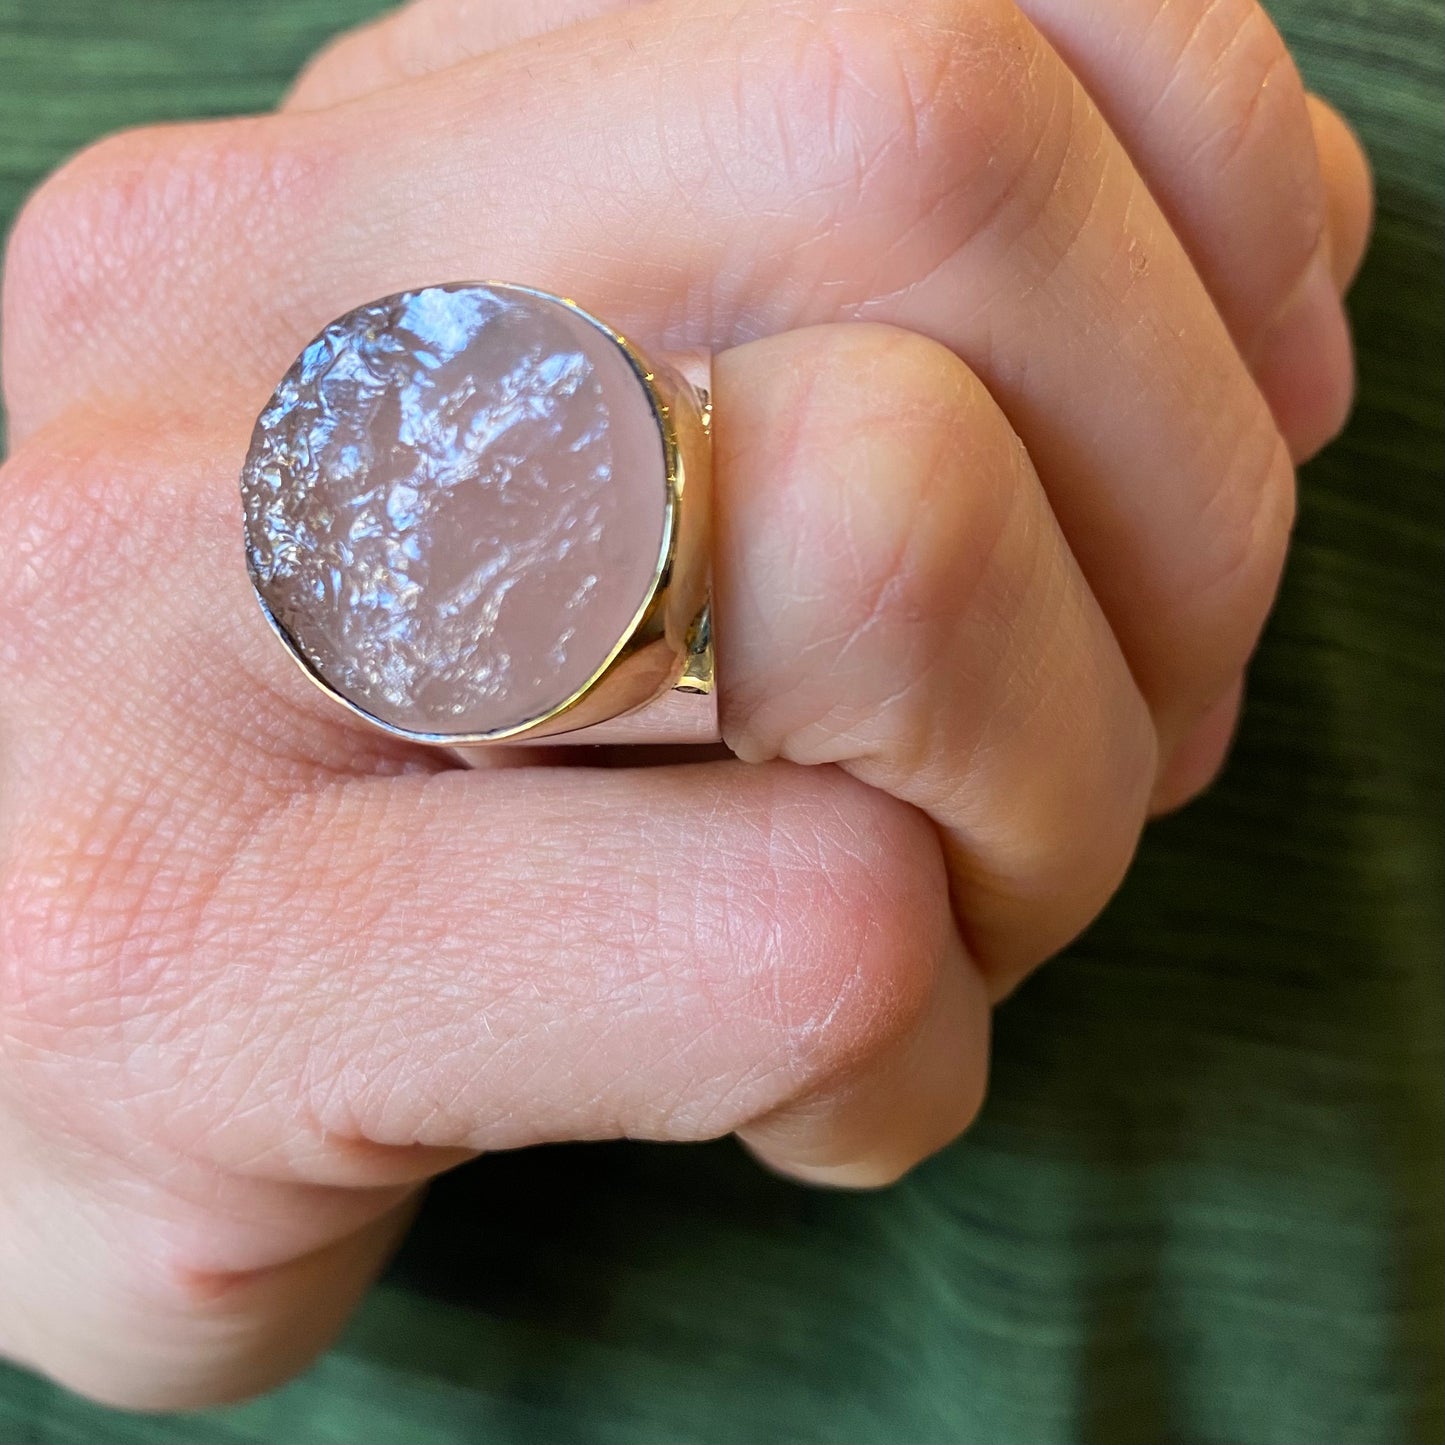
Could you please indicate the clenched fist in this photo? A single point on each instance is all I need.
(1022, 312)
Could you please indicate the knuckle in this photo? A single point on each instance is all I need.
(80, 926)
(109, 238)
(87, 506)
(52, 512)
(80, 232)
(1243, 69)
(1253, 122)
(913, 541)
(107, 1008)
(78, 504)
(925, 118)
(859, 923)
(903, 529)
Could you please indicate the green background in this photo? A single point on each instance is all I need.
(1204, 1201)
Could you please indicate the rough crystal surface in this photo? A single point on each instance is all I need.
(455, 504)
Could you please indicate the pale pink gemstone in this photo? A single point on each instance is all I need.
(455, 504)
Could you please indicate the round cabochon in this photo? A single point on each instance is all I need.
(456, 504)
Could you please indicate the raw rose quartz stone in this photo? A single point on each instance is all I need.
(455, 505)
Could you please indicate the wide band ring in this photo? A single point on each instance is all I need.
(476, 514)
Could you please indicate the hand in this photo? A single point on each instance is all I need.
(1023, 313)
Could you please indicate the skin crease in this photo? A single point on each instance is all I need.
(262, 974)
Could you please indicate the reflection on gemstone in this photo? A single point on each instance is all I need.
(455, 505)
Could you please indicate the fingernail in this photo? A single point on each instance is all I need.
(1303, 363)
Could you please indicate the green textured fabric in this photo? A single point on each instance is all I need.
(1204, 1201)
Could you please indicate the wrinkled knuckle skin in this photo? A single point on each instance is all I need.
(864, 924)
(1255, 125)
(894, 552)
(56, 518)
(100, 993)
(903, 580)
(112, 238)
(923, 119)
(84, 506)
(1251, 94)
(77, 936)
(72, 248)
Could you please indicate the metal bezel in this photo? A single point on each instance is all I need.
(667, 644)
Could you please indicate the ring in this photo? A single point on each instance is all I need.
(476, 514)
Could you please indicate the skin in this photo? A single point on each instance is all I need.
(1023, 314)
